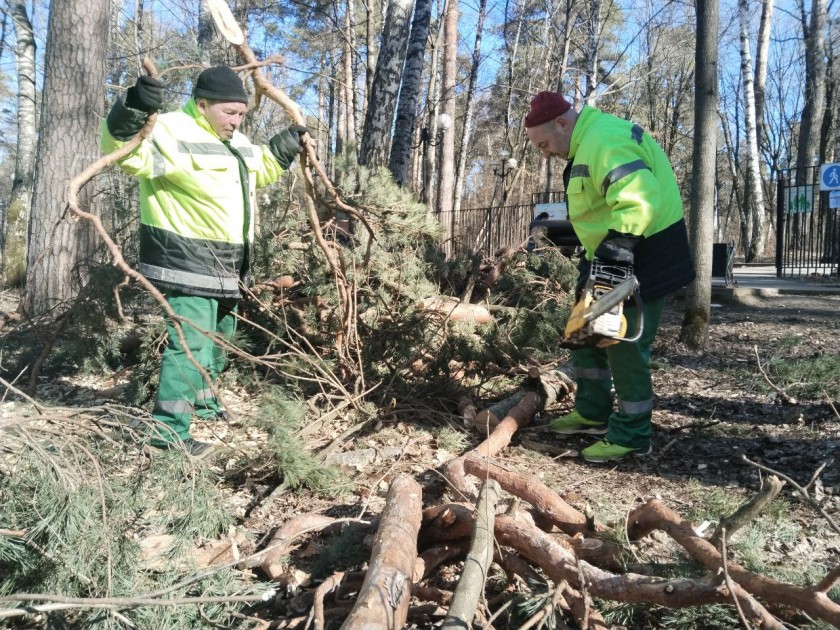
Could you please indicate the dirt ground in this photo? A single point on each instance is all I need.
(711, 411)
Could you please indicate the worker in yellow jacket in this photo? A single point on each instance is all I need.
(198, 176)
(625, 207)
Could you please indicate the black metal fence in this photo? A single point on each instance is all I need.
(807, 223)
(486, 230)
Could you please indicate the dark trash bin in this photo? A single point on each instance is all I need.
(722, 260)
(558, 232)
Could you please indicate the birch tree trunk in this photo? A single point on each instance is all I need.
(593, 44)
(447, 160)
(428, 194)
(376, 139)
(755, 194)
(410, 92)
(469, 108)
(74, 78)
(695, 326)
(371, 30)
(761, 56)
(16, 220)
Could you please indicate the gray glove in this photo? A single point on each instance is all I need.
(146, 95)
(286, 145)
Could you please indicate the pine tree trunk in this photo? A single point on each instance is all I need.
(695, 326)
(447, 161)
(376, 139)
(349, 76)
(371, 31)
(410, 92)
(16, 220)
(755, 196)
(211, 45)
(74, 77)
(469, 107)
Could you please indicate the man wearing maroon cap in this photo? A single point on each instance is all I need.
(625, 206)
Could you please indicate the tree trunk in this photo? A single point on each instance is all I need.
(755, 194)
(447, 160)
(812, 112)
(376, 139)
(469, 107)
(13, 237)
(695, 326)
(349, 40)
(428, 192)
(209, 40)
(410, 93)
(371, 30)
(761, 55)
(74, 77)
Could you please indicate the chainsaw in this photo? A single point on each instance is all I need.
(597, 319)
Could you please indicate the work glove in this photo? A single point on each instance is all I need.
(146, 95)
(286, 145)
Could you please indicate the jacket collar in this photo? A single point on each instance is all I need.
(191, 109)
(585, 120)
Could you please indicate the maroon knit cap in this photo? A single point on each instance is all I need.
(546, 106)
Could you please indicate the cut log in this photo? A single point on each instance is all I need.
(384, 597)
(452, 309)
(535, 492)
(471, 583)
(518, 417)
(281, 543)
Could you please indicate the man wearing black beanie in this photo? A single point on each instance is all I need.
(198, 179)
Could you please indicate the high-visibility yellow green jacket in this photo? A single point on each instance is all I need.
(621, 189)
(197, 199)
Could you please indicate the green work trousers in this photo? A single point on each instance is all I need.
(183, 390)
(627, 367)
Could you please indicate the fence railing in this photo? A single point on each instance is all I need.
(486, 230)
(808, 229)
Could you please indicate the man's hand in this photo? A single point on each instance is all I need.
(286, 145)
(146, 95)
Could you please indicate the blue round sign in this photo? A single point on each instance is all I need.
(831, 177)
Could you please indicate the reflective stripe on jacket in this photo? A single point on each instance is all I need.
(197, 196)
(621, 180)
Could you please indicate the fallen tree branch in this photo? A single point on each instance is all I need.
(559, 563)
(474, 575)
(769, 490)
(654, 515)
(803, 491)
(518, 417)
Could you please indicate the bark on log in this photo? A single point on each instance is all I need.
(435, 556)
(748, 511)
(456, 311)
(281, 542)
(518, 417)
(654, 515)
(384, 597)
(471, 583)
(445, 523)
(532, 490)
(559, 563)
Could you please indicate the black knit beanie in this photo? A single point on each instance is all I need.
(220, 83)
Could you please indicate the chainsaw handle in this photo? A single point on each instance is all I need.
(640, 324)
(625, 290)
